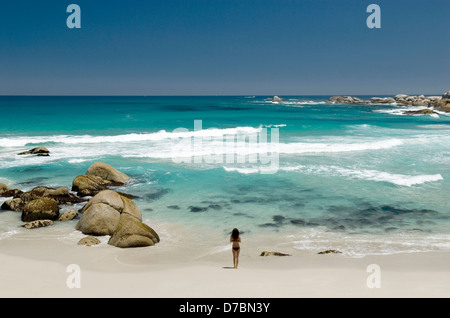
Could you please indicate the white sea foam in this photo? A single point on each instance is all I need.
(274, 126)
(318, 239)
(22, 141)
(402, 111)
(361, 174)
(77, 160)
(311, 147)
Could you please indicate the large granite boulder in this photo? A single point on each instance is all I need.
(117, 201)
(98, 177)
(133, 233)
(89, 185)
(107, 172)
(109, 197)
(40, 209)
(99, 219)
(110, 213)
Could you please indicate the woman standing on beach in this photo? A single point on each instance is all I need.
(235, 238)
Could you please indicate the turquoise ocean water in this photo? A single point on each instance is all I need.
(362, 178)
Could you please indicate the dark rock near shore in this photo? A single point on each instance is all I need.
(266, 253)
(330, 252)
(60, 195)
(39, 151)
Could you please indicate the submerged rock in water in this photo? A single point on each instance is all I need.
(40, 209)
(39, 151)
(197, 209)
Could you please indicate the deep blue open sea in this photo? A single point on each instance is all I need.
(364, 179)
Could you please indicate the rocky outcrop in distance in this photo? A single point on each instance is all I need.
(441, 103)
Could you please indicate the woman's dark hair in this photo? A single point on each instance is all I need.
(235, 233)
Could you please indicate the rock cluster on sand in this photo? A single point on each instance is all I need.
(106, 213)
(109, 213)
(98, 177)
(441, 103)
(39, 151)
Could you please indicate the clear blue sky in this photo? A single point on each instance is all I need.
(224, 47)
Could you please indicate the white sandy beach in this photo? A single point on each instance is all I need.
(38, 268)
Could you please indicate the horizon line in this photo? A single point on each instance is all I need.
(204, 95)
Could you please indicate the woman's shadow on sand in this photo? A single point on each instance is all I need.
(228, 267)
